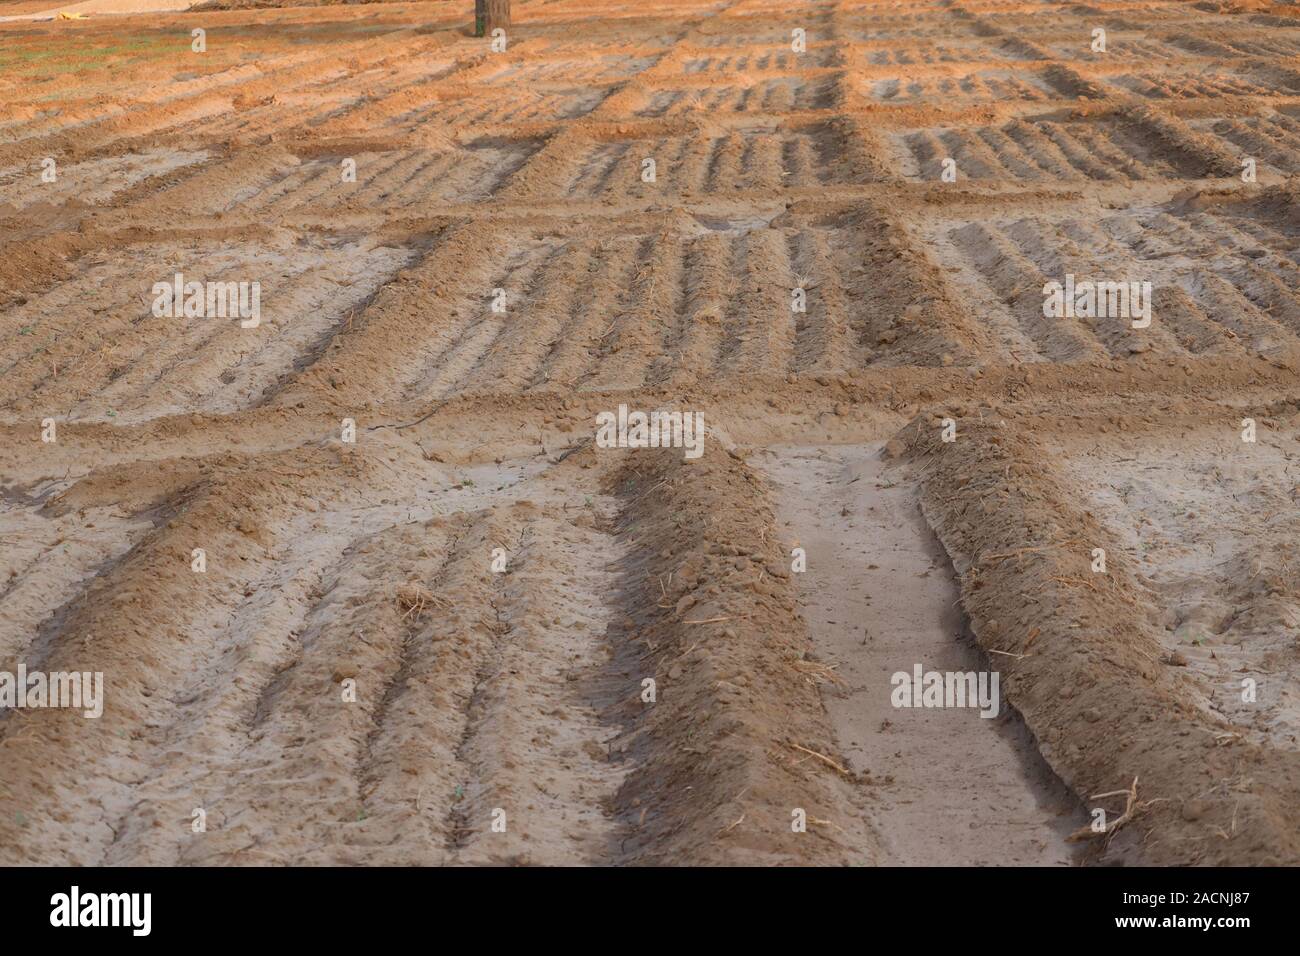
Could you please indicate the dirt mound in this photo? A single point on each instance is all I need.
(1081, 657)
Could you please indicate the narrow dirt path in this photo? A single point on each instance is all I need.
(879, 597)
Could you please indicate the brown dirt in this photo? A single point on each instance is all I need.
(519, 694)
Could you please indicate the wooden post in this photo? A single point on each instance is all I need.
(490, 14)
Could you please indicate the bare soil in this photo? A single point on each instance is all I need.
(471, 635)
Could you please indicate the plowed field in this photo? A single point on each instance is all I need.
(362, 584)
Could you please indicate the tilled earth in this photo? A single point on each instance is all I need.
(434, 643)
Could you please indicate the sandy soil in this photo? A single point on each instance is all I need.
(471, 635)
(879, 597)
(89, 8)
